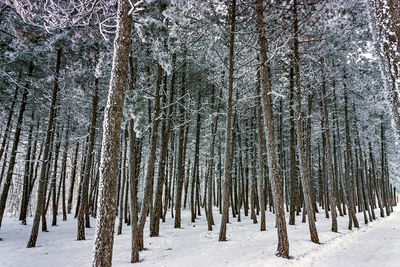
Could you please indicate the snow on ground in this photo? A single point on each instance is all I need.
(377, 244)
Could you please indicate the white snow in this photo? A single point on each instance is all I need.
(377, 244)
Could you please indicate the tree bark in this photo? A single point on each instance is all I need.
(149, 179)
(133, 182)
(332, 196)
(349, 166)
(72, 181)
(165, 131)
(228, 141)
(46, 158)
(8, 124)
(27, 170)
(304, 171)
(293, 168)
(13, 154)
(104, 238)
(84, 205)
(283, 243)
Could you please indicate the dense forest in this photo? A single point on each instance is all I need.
(136, 112)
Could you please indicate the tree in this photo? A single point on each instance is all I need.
(11, 164)
(228, 138)
(104, 239)
(42, 182)
(83, 208)
(283, 243)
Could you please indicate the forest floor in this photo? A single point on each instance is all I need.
(375, 244)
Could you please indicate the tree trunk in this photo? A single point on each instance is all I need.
(84, 205)
(64, 172)
(148, 188)
(180, 161)
(349, 166)
(133, 183)
(123, 174)
(332, 196)
(165, 131)
(293, 168)
(27, 171)
(53, 187)
(8, 124)
(46, 159)
(283, 243)
(304, 171)
(261, 149)
(13, 154)
(72, 181)
(228, 141)
(104, 238)
(214, 128)
(195, 172)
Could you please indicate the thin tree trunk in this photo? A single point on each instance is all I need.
(293, 169)
(27, 171)
(64, 172)
(349, 166)
(261, 149)
(123, 173)
(72, 180)
(180, 161)
(196, 163)
(46, 159)
(13, 154)
(84, 205)
(304, 171)
(53, 187)
(214, 128)
(148, 188)
(283, 243)
(133, 183)
(332, 196)
(8, 124)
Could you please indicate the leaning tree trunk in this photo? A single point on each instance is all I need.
(104, 239)
(13, 154)
(46, 158)
(8, 124)
(305, 172)
(148, 188)
(283, 243)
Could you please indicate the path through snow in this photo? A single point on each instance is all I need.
(375, 244)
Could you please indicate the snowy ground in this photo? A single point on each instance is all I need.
(377, 244)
